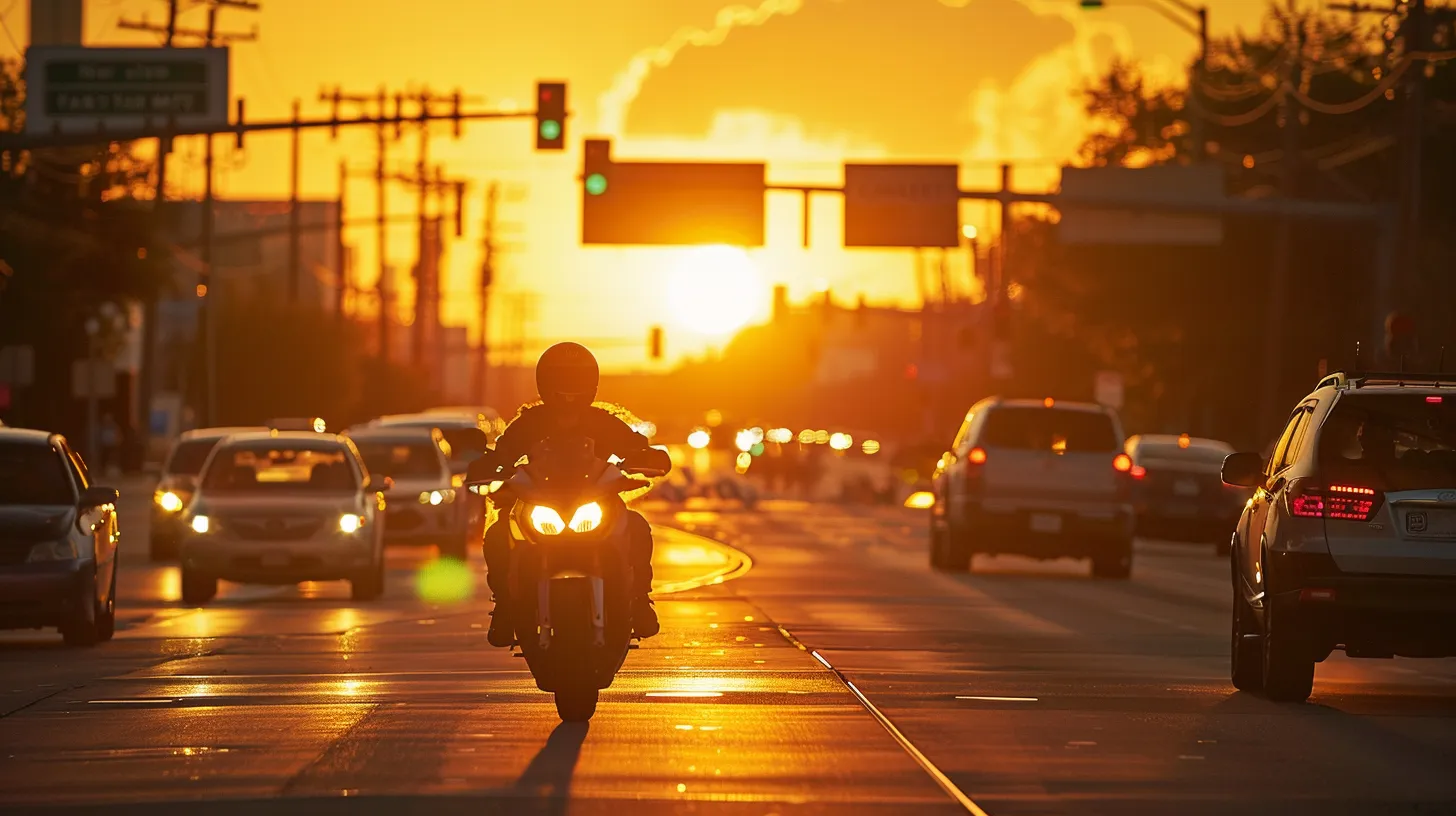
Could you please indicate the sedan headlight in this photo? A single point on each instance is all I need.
(63, 550)
(201, 524)
(349, 523)
(587, 517)
(167, 500)
(438, 497)
(546, 521)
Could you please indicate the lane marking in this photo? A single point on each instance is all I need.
(929, 767)
(997, 699)
(738, 565)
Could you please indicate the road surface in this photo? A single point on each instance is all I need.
(836, 674)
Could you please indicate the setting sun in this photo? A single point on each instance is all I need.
(715, 290)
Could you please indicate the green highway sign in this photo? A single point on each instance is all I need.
(77, 89)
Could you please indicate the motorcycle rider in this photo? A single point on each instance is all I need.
(567, 376)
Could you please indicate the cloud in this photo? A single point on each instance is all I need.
(900, 74)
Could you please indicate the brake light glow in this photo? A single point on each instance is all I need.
(977, 456)
(1434, 400)
(1122, 463)
(1048, 402)
(1342, 502)
(1138, 471)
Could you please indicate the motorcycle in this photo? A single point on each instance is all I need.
(570, 577)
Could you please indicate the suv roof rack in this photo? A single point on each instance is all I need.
(1360, 379)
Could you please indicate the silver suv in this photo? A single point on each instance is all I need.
(1349, 541)
(1038, 478)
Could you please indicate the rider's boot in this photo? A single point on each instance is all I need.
(501, 633)
(644, 617)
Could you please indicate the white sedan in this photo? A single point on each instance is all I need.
(281, 508)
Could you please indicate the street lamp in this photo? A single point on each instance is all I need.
(1192, 19)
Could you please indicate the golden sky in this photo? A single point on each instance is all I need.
(802, 84)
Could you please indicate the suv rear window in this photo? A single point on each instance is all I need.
(1203, 454)
(1050, 429)
(189, 457)
(1390, 441)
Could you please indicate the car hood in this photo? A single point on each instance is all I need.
(279, 505)
(35, 522)
(412, 487)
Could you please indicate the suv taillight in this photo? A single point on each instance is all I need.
(1344, 502)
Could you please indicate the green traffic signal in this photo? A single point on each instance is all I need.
(596, 184)
(550, 130)
(1092, 4)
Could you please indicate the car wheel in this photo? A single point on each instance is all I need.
(1246, 654)
(958, 550)
(1114, 561)
(106, 615)
(1288, 663)
(160, 549)
(197, 589)
(369, 586)
(81, 630)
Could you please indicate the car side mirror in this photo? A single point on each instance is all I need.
(97, 496)
(1243, 470)
(377, 484)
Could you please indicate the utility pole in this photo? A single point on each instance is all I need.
(293, 222)
(417, 348)
(147, 384)
(341, 249)
(1415, 30)
(382, 287)
(1283, 261)
(487, 277)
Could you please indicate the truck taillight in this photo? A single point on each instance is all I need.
(977, 456)
(1337, 501)
(1122, 463)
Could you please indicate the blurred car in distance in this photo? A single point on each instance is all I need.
(1177, 491)
(1037, 478)
(428, 504)
(176, 483)
(461, 452)
(282, 508)
(315, 424)
(58, 540)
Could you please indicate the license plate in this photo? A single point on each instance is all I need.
(1046, 523)
(1185, 487)
(275, 560)
(1431, 523)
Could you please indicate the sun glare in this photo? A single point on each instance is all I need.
(715, 290)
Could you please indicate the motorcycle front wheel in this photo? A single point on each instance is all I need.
(576, 704)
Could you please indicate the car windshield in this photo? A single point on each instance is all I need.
(189, 457)
(33, 474)
(400, 459)
(1391, 442)
(1049, 429)
(275, 468)
(1202, 454)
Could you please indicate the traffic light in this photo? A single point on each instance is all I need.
(654, 343)
(550, 115)
(597, 162)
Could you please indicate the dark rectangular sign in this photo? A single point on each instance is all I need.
(901, 205)
(674, 204)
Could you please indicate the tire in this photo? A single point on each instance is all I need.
(160, 549)
(939, 558)
(370, 586)
(957, 547)
(1288, 664)
(106, 616)
(577, 704)
(1246, 655)
(1114, 561)
(81, 631)
(197, 589)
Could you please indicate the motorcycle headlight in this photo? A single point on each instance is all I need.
(349, 523)
(63, 550)
(546, 521)
(587, 517)
(167, 500)
(201, 524)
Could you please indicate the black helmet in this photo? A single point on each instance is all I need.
(567, 373)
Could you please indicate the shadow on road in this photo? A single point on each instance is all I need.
(549, 774)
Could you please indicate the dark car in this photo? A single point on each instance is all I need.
(1177, 490)
(58, 540)
(176, 484)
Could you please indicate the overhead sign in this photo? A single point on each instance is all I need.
(70, 89)
(1102, 221)
(901, 205)
(670, 203)
(1107, 387)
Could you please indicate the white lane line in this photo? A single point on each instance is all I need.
(996, 699)
(929, 767)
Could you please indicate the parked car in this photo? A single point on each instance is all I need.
(59, 540)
